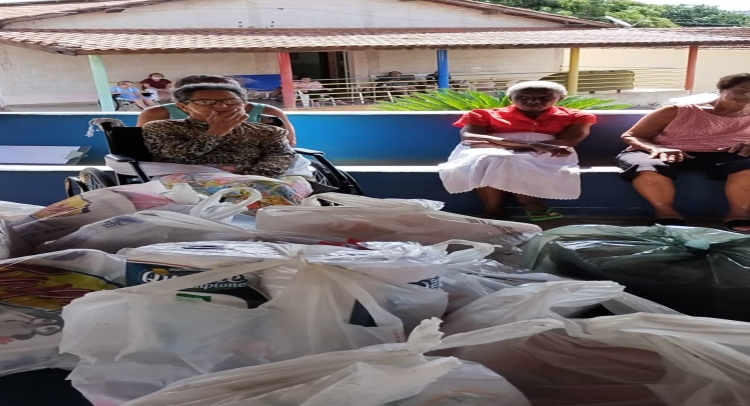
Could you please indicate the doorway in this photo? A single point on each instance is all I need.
(320, 65)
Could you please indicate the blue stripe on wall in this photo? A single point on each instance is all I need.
(348, 138)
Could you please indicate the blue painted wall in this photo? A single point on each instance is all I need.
(363, 138)
(348, 138)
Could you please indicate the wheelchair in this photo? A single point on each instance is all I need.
(126, 145)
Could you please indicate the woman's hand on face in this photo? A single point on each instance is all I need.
(223, 123)
(669, 155)
(740, 149)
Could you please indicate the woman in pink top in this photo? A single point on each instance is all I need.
(714, 139)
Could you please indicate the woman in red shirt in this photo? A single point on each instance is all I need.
(525, 149)
(159, 87)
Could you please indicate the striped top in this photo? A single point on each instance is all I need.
(695, 130)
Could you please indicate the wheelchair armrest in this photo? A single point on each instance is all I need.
(305, 151)
(120, 158)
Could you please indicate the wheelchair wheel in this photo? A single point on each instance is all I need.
(74, 186)
(324, 176)
(95, 179)
(115, 101)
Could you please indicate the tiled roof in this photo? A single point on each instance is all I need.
(15, 12)
(89, 42)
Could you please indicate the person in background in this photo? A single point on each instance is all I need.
(216, 133)
(254, 110)
(714, 139)
(396, 84)
(158, 86)
(127, 91)
(525, 149)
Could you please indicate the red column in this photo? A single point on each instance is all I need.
(287, 80)
(691, 68)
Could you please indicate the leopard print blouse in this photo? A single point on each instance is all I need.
(254, 148)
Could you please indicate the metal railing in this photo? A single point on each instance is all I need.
(591, 80)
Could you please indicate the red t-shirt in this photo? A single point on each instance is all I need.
(156, 84)
(511, 120)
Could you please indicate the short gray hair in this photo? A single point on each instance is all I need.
(185, 94)
(538, 84)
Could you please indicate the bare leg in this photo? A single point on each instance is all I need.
(140, 103)
(737, 190)
(493, 200)
(531, 204)
(659, 191)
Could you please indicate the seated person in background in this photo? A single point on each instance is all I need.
(525, 149)
(254, 110)
(217, 133)
(125, 90)
(157, 85)
(396, 84)
(714, 139)
(311, 87)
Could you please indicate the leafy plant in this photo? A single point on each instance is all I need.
(451, 100)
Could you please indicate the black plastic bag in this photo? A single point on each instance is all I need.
(696, 271)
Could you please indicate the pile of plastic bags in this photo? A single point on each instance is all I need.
(157, 297)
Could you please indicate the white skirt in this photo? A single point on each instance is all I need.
(525, 173)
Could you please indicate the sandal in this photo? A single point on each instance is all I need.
(732, 224)
(668, 221)
(549, 214)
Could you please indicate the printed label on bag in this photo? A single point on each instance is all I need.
(432, 283)
(237, 291)
(45, 287)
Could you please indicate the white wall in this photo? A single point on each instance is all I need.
(35, 77)
(288, 14)
(534, 63)
(712, 63)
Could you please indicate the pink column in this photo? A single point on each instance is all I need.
(691, 68)
(287, 80)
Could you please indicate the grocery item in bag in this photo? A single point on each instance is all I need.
(696, 271)
(10, 211)
(636, 359)
(416, 224)
(33, 291)
(396, 375)
(555, 300)
(136, 340)
(399, 264)
(154, 227)
(69, 215)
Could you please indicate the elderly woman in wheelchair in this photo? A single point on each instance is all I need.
(217, 134)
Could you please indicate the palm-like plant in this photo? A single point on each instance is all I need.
(450, 100)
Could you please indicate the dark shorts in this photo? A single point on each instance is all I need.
(716, 165)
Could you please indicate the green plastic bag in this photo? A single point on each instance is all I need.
(696, 271)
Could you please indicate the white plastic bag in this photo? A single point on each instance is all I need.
(394, 263)
(13, 211)
(396, 373)
(637, 359)
(341, 199)
(548, 300)
(155, 227)
(67, 216)
(136, 340)
(393, 224)
(33, 291)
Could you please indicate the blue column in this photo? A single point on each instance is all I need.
(444, 73)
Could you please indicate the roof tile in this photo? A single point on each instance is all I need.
(87, 42)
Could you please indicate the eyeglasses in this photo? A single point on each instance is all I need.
(211, 102)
